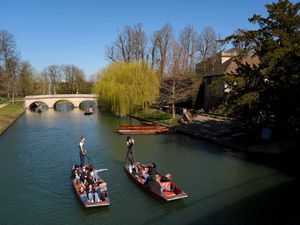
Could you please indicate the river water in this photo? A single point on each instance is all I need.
(37, 153)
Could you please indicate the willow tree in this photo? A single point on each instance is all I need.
(125, 88)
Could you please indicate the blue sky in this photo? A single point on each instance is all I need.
(77, 31)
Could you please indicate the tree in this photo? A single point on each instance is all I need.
(207, 46)
(270, 92)
(129, 46)
(73, 79)
(9, 61)
(161, 42)
(26, 80)
(125, 88)
(188, 43)
(53, 74)
(178, 85)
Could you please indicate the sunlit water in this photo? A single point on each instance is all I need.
(37, 153)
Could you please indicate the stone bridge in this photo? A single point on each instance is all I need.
(51, 100)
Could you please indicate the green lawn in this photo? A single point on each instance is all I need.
(157, 116)
(9, 113)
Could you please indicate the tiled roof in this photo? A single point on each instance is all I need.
(230, 66)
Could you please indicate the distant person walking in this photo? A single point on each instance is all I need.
(130, 143)
(82, 151)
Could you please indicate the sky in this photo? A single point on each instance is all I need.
(77, 32)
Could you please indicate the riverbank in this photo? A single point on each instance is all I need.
(9, 113)
(234, 135)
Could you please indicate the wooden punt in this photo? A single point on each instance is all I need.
(155, 188)
(84, 201)
(88, 111)
(142, 129)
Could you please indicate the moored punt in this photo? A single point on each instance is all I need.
(83, 198)
(154, 187)
(142, 129)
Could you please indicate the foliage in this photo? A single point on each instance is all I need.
(126, 88)
(269, 94)
(2, 100)
(156, 116)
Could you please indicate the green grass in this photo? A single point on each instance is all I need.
(12, 110)
(157, 116)
(9, 114)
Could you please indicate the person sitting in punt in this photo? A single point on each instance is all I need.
(92, 194)
(76, 175)
(142, 170)
(78, 185)
(82, 193)
(167, 183)
(84, 175)
(89, 180)
(151, 172)
(165, 178)
(101, 188)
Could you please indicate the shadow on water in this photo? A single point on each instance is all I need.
(238, 139)
(261, 208)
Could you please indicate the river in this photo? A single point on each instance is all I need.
(38, 150)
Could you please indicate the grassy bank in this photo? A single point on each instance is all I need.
(9, 114)
(156, 116)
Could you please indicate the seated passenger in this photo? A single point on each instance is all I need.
(78, 185)
(167, 183)
(101, 190)
(167, 177)
(151, 173)
(92, 194)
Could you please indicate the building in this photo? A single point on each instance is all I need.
(224, 64)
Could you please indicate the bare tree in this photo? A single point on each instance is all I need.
(129, 46)
(140, 43)
(187, 40)
(53, 74)
(178, 85)
(8, 64)
(161, 43)
(73, 79)
(207, 46)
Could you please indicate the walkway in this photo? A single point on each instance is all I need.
(233, 135)
(3, 105)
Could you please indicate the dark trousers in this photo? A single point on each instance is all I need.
(82, 160)
(131, 156)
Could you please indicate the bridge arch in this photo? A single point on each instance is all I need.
(87, 103)
(36, 104)
(63, 101)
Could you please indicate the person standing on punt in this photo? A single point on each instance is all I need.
(130, 143)
(82, 151)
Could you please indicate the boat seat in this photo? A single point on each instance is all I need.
(169, 193)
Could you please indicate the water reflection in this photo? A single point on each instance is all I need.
(63, 106)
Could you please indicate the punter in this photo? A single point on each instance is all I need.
(82, 151)
(130, 143)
